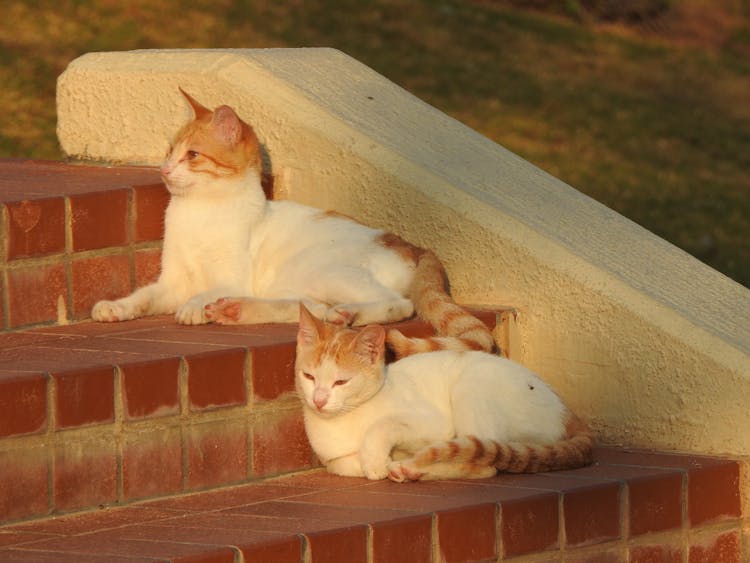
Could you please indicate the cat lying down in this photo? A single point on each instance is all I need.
(434, 415)
(230, 256)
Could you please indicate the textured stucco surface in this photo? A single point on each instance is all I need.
(649, 344)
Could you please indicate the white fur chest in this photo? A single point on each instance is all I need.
(342, 435)
(206, 240)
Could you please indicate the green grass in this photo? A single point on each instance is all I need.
(656, 130)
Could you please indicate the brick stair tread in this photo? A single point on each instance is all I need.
(336, 518)
(90, 344)
(24, 179)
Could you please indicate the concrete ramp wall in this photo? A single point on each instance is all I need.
(649, 344)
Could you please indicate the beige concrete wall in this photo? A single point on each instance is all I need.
(649, 344)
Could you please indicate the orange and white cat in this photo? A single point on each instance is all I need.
(434, 415)
(230, 256)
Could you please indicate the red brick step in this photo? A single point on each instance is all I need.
(629, 506)
(72, 235)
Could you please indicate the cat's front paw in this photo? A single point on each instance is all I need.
(191, 313)
(111, 311)
(375, 466)
(347, 466)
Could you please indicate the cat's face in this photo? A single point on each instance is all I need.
(337, 368)
(217, 145)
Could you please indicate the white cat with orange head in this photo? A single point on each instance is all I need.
(231, 256)
(435, 415)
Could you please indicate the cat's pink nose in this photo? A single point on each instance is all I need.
(164, 171)
(320, 402)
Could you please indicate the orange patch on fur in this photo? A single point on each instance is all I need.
(407, 251)
(479, 449)
(222, 159)
(574, 425)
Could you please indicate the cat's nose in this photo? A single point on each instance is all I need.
(320, 402)
(164, 171)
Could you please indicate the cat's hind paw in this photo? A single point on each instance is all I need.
(399, 472)
(224, 311)
(110, 312)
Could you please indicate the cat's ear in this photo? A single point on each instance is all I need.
(227, 126)
(309, 327)
(198, 109)
(370, 343)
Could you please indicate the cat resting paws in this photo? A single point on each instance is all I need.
(191, 313)
(374, 464)
(400, 472)
(346, 466)
(224, 311)
(112, 311)
(248, 310)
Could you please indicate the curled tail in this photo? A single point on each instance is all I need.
(457, 328)
(470, 453)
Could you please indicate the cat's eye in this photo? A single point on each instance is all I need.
(190, 155)
(308, 376)
(340, 382)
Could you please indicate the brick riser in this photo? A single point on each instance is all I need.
(630, 506)
(64, 226)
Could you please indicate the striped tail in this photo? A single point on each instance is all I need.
(457, 328)
(513, 457)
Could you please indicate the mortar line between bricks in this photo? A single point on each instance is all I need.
(184, 414)
(370, 549)
(66, 259)
(57, 257)
(130, 238)
(118, 433)
(50, 440)
(499, 544)
(306, 548)
(131, 219)
(249, 408)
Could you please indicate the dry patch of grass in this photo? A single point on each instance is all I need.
(655, 127)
